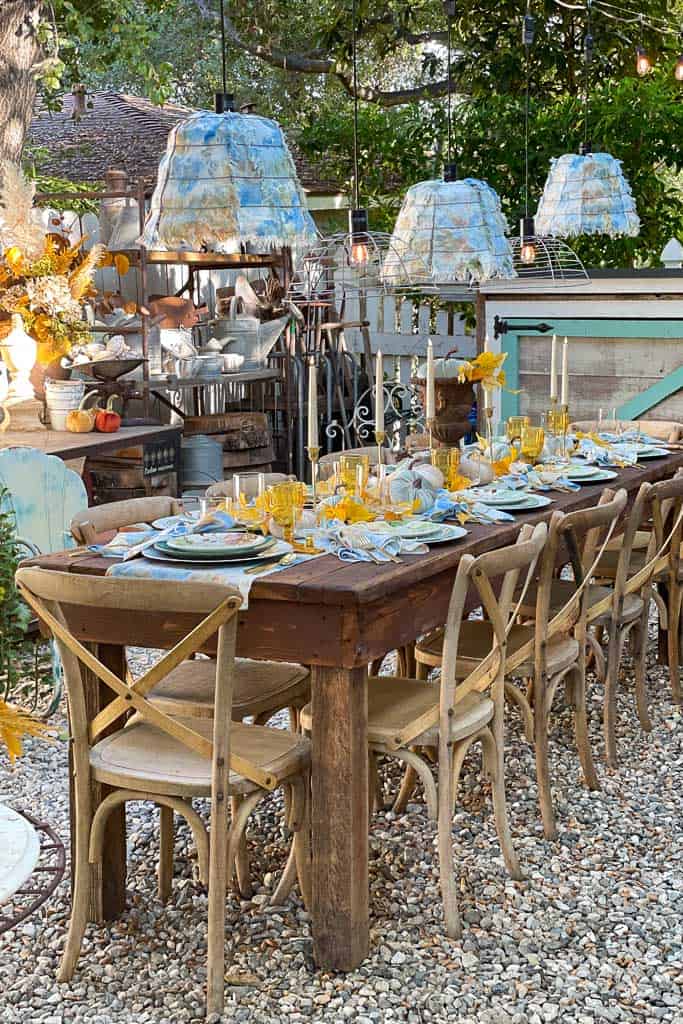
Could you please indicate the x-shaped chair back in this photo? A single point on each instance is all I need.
(55, 595)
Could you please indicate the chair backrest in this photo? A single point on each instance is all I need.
(664, 430)
(90, 523)
(58, 597)
(223, 488)
(388, 458)
(43, 495)
(583, 536)
(666, 502)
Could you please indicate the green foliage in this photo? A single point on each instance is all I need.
(14, 614)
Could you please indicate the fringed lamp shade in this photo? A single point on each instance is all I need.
(587, 195)
(454, 229)
(228, 180)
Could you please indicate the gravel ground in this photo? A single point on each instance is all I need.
(594, 933)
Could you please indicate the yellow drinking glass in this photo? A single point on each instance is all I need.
(285, 502)
(514, 427)
(532, 441)
(557, 420)
(354, 471)
(448, 461)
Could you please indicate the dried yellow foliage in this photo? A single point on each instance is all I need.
(14, 725)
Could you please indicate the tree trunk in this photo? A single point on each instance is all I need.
(19, 52)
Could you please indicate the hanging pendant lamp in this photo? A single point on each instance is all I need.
(228, 181)
(538, 257)
(450, 230)
(350, 264)
(586, 193)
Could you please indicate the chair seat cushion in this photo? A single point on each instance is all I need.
(394, 703)
(259, 686)
(476, 638)
(142, 756)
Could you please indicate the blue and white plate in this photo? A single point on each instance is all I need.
(272, 554)
(167, 522)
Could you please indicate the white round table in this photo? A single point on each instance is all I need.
(19, 851)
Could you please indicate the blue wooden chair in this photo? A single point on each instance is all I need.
(44, 495)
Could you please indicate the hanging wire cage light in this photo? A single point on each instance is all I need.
(538, 258)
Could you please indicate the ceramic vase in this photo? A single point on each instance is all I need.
(19, 349)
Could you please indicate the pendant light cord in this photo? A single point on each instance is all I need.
(450, 87)
(356, 189)
(225, 75)
(586, 84)
(527, 48)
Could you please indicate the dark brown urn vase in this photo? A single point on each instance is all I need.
(452, 406)
(53, 370)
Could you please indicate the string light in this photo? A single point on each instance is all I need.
(358, 217)
(678, 71)
(643, 63)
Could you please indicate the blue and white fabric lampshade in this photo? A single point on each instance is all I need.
(587, 194)
(228, 180)
(449, 231)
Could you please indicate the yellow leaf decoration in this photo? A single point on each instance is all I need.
(14, 725)
(595, 438)
(349, 511)
(459, 483)
(502, 466)
(486, 369)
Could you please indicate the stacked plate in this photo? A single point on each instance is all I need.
(580, 473)
(226, 548)
(508, 500)
(421, 530)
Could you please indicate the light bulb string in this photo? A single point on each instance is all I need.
(653, 22)
(223, 56)
(527, 49)
(356, 187)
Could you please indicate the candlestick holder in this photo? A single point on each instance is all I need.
(380, 437)
(430, 429)
(564, 426)
(314, 456)
(488, 413)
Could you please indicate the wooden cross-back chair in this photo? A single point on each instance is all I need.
(406, 716)
(629, 578)
(153, 756)
(670, 431)
(547, 650)
(89, 525)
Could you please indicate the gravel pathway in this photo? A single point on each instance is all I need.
(594, 933)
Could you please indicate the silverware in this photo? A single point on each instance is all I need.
(287, 559)
(365, 543)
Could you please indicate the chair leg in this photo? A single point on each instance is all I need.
(514, 696)
(81, 894)
(300, 823)
(581, 734)
(218, 881)
(421, 670)
(165, 852)
(673, 642)
(406, 790)
(242, 869)
(500, 810)
(639, 647)
(449, 893)
(406, 661)
(545, 797)
(610, 700)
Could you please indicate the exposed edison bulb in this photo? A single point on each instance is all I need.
(643, 63)
(359, 254)
(678, 71)
(527, 238)
(527, 253)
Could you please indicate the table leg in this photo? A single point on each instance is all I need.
(108, 880)
(340, 817)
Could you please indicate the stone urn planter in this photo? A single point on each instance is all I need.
(452, 400)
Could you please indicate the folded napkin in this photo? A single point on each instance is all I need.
(537, 479)
(607, 456)
(466, 509)
(351, 544)
(127, 545)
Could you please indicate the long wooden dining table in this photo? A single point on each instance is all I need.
(336, 617)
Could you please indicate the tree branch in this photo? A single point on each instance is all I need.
(306, 64)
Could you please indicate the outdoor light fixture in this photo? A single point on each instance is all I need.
(226, 183)
(449, 231)
(678, 71)
(527, 237)
(643, 63)
(358, 230)
(586, 193)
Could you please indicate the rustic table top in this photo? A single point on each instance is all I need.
(337, 613)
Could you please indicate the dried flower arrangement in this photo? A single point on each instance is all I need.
(42, 278)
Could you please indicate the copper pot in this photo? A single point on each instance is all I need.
(53, 370)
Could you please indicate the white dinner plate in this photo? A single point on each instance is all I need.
(579, 471)
(231, 542)
(504, 497)
(166, 522)
(601, 475)
(531, 503)
(652, 453)
(276, 551)
(418, 529)
(448, 533)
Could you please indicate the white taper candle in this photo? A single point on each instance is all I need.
(312, 405)
(430, 402)
(379, 393)
(553, 370)
(565, 373)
